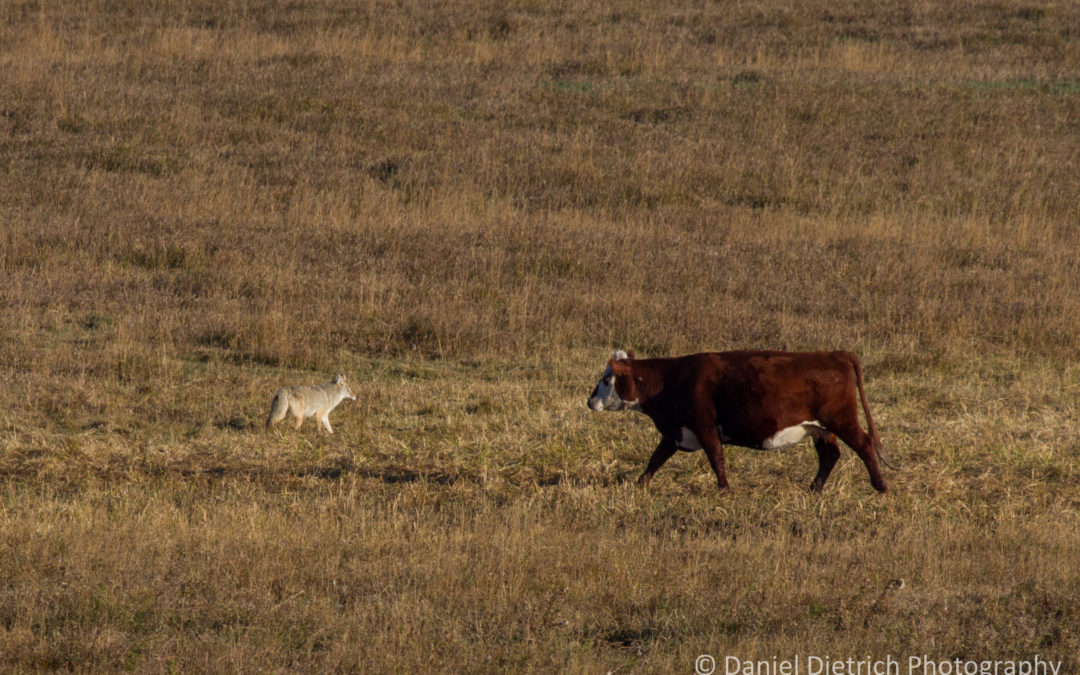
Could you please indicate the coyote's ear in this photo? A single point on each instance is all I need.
(340, 379)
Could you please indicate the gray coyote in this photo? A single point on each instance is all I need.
(308, 401)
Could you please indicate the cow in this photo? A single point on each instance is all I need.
(763, 400)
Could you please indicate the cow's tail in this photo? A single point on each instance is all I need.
(874, 438)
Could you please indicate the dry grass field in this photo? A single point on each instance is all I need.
(466, 209)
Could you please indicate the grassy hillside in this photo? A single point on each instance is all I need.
(466, 209)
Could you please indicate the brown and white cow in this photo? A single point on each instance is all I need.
(756, 399)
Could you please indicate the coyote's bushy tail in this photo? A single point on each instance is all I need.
(278, 408)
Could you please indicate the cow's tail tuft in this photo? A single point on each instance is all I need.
(874, 438)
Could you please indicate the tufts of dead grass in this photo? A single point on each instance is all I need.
(465, 208)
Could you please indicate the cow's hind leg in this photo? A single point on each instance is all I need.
(863, 446)
(716, 460)
(828, 452)
(663, 453)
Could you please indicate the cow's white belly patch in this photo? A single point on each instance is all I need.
(689, 440)
(792, 435)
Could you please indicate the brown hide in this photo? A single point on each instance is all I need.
(745, 398)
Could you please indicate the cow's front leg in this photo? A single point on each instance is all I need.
(664, 450)
(710, 441)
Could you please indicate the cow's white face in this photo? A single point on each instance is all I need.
(606, 396)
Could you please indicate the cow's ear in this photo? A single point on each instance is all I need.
(619, 367)
(630, 354)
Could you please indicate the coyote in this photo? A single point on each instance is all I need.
(301, 402)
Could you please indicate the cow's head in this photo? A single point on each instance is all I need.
(617, 389)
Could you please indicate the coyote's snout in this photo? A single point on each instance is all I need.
(304, 401)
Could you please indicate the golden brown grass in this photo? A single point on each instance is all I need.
(465, 208)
